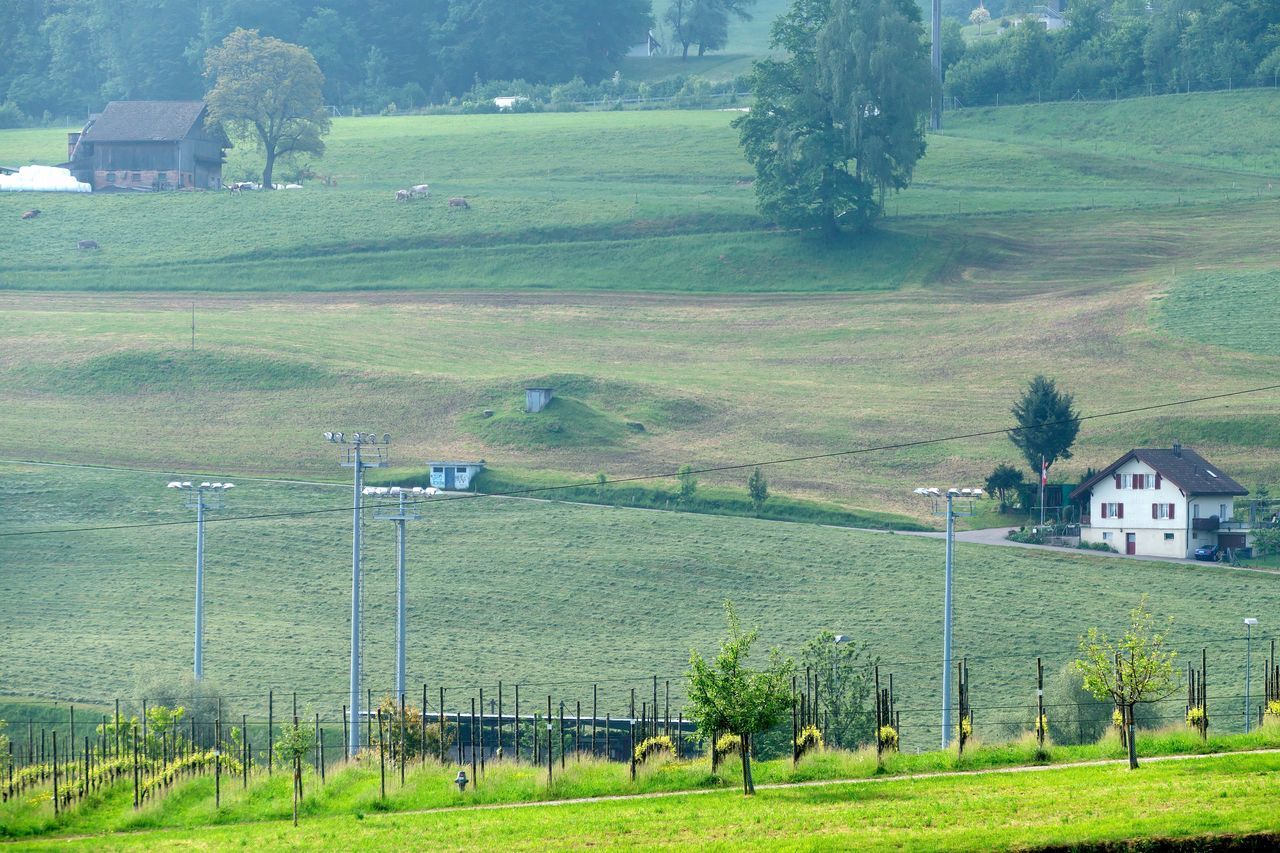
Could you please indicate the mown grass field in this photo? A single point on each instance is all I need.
(632, 273)
(1063, 806)
(552, 596)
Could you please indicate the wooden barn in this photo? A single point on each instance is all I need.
(149, 145)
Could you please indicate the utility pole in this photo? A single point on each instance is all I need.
(362, 450)
(404, 513)
(935, 56)
(201, 497)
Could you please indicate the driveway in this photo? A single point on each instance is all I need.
(996, 536)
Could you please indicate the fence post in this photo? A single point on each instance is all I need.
(382, 756)
(271, 733)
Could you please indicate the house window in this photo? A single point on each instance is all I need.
(137, 176)
(437, 470)
(1162, 511)
(1113, 510)
(1108, 536)
(1168, 537)
(1126, 481)
(1195, 510)
(111, 177)
(1222, 512)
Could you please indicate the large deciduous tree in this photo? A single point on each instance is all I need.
(269, 91)
(840, 121)
(1047, 423)
(727, 695)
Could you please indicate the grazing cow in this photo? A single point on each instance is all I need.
(459, 202)
(87, 244)
(432, 491)
(31, 214)
(420, 191)
(402, 195)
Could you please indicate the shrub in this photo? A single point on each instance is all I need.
(727, 745)
(1273, 708)
(808, 738)
(888, 736)
(1195, 717)
(650, 747)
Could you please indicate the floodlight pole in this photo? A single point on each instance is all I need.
(403, 514)
(1248, 671)
(199, 654)
(948, 619)
(946, 625)
(355, 459)
(357, 465)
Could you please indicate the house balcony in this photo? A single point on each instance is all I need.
(1205, 525)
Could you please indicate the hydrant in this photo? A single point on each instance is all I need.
(461, 781)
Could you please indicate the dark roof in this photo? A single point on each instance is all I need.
(150, 121)
(1182, 466)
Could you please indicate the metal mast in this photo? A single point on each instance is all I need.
(403, 514)
(200, 497)
(363, 451)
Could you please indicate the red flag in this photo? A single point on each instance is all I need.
(1044, 472)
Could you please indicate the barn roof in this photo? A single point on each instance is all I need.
(1183, 466)
(146, 121)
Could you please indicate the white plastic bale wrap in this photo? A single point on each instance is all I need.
(42, 179)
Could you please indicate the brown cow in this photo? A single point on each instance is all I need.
(459, 202)
(31, 214)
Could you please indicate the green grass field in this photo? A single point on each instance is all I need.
(1199, 796)
(633, 273)
(552, 596)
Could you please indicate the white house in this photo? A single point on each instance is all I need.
(1161, 503)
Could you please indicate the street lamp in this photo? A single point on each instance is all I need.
(1249, 622)
(361, 450)
(951, 512)
(200, 497)
(400, 516)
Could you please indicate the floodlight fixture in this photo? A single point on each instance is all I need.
(1250, 621)
(386, 438)
(841, 638)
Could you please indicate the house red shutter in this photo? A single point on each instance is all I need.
(1155, 510)
(1171, 512)
(1102, 510)
(1119, 510)
(1157, 479)
(1117, 481)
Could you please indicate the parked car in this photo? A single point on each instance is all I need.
(1211, 553)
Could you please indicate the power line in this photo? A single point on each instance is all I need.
(663, 476)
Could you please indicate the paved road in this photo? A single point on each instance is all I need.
(996, 536)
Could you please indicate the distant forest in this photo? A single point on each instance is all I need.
(66, 57)
(1116, 48)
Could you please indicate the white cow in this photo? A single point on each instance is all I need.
(420, 191)
(402, 195)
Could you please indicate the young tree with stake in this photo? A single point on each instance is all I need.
(729, 696)
(295, 743)
(1134, 669)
